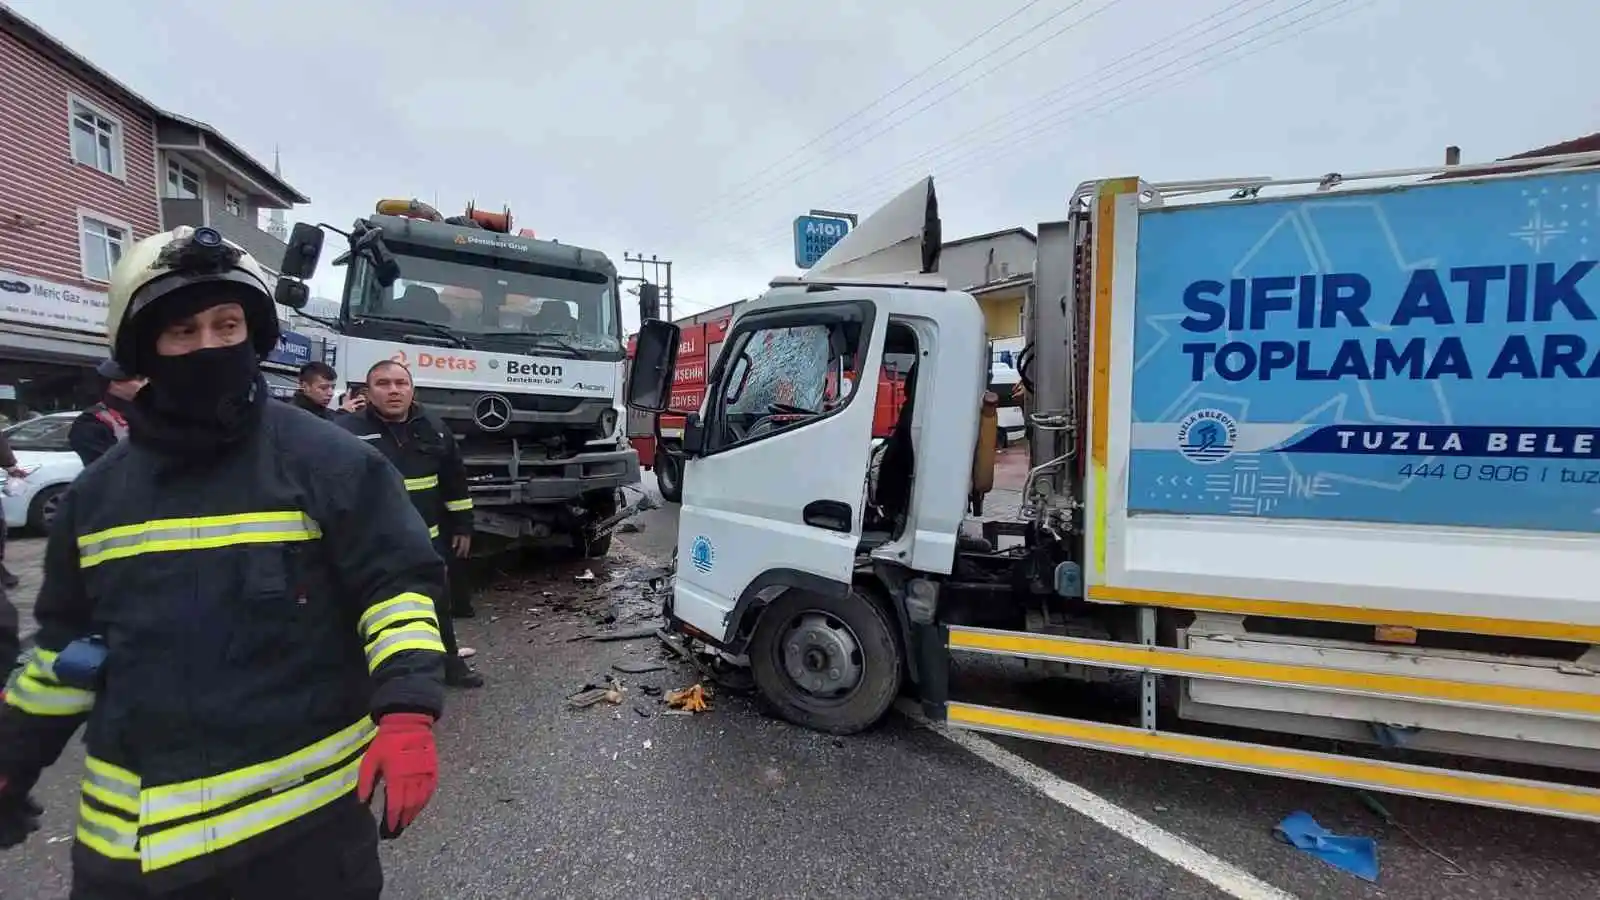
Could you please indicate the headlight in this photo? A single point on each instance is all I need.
(608, 421)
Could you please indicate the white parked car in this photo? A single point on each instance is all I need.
(43, 453)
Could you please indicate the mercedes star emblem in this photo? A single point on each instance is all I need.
(492, 412)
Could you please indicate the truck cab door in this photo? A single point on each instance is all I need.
(774, 494)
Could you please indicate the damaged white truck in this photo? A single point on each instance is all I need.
(1316, 459)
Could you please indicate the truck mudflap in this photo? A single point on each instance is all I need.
(1148, 661)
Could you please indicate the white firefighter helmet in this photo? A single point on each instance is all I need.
(164, 263)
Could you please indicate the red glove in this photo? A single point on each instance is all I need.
(403, 756)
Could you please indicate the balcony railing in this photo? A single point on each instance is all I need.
(267, 249)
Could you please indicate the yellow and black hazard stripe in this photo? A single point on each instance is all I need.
(161, 826)
(35, 690)
(407, 621)
(195, 533)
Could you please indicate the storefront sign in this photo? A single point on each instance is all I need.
(293, 350)
(31, 301)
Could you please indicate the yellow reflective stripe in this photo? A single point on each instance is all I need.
(411, 636)
(42, 663)
(115, 787)
(195, 533)
(181, 843)
(1552, 798)
(106, 834)
(396, 609)
(458, 505)
(204, 795)
(38, 697)
(433, 531)
(423, 483)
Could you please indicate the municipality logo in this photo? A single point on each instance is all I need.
(1207, 436)
(702, 555)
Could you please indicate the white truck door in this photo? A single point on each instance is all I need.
(776, 495)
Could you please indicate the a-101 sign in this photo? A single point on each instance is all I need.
(814, 236)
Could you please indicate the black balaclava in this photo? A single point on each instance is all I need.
(198, 404)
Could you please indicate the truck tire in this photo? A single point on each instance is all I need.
(600, 504)
(669, 475)
(826, 662)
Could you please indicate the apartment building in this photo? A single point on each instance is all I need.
(87, 167)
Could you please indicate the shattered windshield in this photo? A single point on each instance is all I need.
(788, 367)
(523, 304)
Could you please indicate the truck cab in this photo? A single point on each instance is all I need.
(514, 342)
(1316, 524)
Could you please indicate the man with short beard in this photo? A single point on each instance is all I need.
(424, 450)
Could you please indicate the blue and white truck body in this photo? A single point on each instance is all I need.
(1321, 468)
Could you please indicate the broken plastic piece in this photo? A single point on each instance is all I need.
(1356, 855)
(690, 699)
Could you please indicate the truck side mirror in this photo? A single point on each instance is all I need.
(654, 357)
(649, 301)
(694, 435)
(292, 293)
(303, 250)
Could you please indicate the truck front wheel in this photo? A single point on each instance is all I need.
(669, 474)
(829, 663)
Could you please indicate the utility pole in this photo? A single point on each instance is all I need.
(657, 266)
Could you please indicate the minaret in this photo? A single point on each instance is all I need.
(276, 226)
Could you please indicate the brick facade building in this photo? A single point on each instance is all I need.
(87, 167)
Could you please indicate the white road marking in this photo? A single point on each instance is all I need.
(1225, 876)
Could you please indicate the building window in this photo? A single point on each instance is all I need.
(103, 243)
(96, 137)
(182, 182)
(233, 202)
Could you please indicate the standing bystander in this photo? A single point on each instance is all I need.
(99, 428)
(425, 452)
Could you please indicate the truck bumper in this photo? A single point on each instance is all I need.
(552, 481)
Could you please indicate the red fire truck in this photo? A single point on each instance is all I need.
(698, 345)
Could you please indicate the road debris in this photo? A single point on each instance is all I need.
(691, 699)
(590, 694)
(638, 666)
(625, 634)
(587, 576)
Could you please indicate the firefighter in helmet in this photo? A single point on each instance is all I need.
(239, 600)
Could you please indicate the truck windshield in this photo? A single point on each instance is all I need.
(509, 302)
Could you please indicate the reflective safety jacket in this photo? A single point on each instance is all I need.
(96, 430)
(425, 452)
(257, 614)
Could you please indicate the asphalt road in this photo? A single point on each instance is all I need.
(542, 800)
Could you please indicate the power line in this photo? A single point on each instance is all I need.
(1109, 97)
(1148, 53)
(1143, 54)
(819, 164)
(881, 97)
(1102, 103)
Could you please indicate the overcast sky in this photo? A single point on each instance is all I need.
(698, 130)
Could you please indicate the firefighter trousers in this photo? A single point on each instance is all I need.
(447, 625)
(337, 860)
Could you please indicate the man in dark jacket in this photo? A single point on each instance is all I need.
(99, 428)
(315, 392)
(425, 453)
(240, 601)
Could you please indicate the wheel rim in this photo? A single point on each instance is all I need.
(47, 510)
(821, 655)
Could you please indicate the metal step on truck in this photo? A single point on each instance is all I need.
(515, 342)
(1315, 483)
